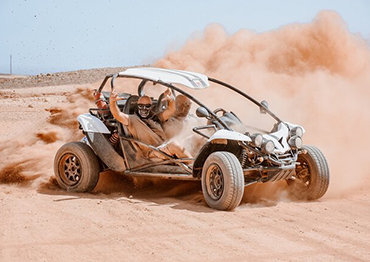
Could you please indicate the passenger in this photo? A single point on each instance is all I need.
(171, 108)
(146, 128)
(174, 124)
(101, 104)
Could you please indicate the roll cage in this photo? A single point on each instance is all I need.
(181, 91)
(184, 170)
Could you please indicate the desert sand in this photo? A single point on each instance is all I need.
(308, 77)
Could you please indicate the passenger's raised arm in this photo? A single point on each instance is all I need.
(117, 114)
(171, 108)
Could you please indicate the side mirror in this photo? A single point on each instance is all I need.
(202, 112)
(264, 106)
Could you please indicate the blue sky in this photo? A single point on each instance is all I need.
(54, 36)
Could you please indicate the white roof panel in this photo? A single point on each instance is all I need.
(188, 79)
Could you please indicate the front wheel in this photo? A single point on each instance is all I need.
(76, 167)
(312, 175)
(222, 181)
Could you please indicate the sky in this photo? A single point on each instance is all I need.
(55, 36)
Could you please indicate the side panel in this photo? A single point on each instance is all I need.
(91, 123)
(106, 152)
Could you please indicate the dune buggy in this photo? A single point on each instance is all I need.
(227, 161)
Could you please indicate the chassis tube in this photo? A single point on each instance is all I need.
(104, 82)
(245, 95)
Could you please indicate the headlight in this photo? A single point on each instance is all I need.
(257, 139)
(296, 131)
(295, 141)
(268, 147)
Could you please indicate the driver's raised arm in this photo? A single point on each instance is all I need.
(117, 114)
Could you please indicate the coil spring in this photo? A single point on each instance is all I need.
(243, 158)
(114, 139)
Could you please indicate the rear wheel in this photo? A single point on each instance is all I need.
(222, 181)
(76, 167)
(312, 175)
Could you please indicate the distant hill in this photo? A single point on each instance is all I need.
(62, 78)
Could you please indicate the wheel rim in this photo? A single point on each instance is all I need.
(215, 182)
(303, 173)
(70, 169)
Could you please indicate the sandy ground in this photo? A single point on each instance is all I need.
(125, 220)
(55, 226)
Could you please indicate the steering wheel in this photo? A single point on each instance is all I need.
(161, 104)
(220, 110)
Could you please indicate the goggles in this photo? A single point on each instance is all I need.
(144, 106)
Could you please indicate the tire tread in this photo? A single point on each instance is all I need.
(320, 172)
(91, 176)
(236, 186)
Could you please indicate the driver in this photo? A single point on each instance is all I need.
(147, 128)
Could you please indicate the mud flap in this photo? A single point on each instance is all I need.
(106, 152)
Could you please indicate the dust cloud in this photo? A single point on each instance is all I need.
(30, 155)
(314, 74)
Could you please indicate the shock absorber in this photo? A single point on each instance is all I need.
(114, 138)
(243, 158)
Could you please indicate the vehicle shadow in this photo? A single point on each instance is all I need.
(149, 191)
(185, 195)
